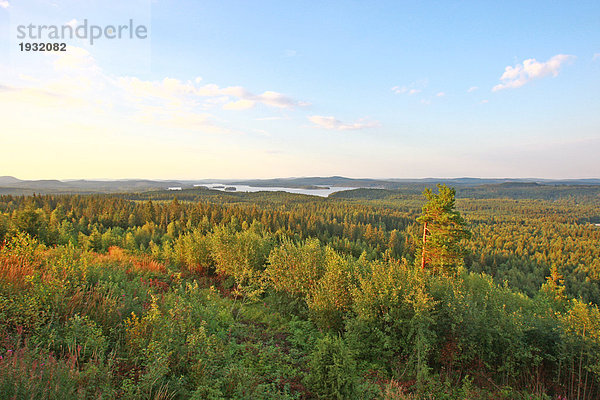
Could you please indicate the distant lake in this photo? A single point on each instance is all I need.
(324, 192)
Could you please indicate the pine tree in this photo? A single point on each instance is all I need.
(443, 230)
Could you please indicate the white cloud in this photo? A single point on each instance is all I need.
(290, 53)
(404, 89)
(75, 81)
(4, 4)
(239, 105)
(176, 90)
(399, 90)
(530, 69)
(169, 89)
(485, 101)
(275, 99)
(413, 88)
(269, 98)
(472, 89)
(440, 94)
(332, 123)
(72, 23)
(596, 57)
(76, 59)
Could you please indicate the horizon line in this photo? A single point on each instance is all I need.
(301, 177)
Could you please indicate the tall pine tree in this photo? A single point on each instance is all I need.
(443, 230)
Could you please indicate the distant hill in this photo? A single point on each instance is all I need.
(466, 186)
(508, 190)
(340, 181)
(10, 185)
(524, 190)
(6, 180)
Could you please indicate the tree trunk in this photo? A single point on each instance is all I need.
(423, 250)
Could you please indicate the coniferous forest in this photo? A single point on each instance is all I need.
(367, 294)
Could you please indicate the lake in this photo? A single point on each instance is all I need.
(324, 192)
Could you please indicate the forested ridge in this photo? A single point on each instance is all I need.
(212, 295)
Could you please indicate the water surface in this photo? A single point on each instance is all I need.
(323, 192)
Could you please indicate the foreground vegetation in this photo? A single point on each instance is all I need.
(270, 296)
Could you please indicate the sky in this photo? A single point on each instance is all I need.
(264, 89)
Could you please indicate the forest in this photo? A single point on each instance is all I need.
(271, 295)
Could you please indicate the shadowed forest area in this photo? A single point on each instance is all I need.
(213, 295)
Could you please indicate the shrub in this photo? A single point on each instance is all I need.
(333, 372)
(296, 268)
(84, 337)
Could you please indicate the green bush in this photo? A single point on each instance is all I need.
(333, 373)
(84, 337)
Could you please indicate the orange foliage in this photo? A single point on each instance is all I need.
(15, 268)
(148, 264)
(117, 253)
(137, 263)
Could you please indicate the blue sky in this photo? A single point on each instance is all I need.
(272, 89)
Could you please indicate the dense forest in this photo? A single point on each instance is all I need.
(270, 295)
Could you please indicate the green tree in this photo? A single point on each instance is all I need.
(149, 212)
(333, 373)
(296, 268)
(33, 222)
(443, 230)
